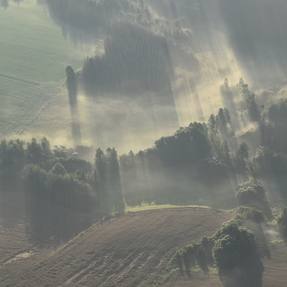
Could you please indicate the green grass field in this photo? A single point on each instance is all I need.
(33, 56)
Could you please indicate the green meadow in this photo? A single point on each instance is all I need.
(34, 54)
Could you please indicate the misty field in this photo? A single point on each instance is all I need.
(34, 54)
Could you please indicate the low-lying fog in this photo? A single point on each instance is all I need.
(158, 65)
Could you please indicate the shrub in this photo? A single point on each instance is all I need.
(250, 213)
(237, 258)
(254, 195)
(282, 224)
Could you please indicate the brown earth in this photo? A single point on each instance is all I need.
(130, 251)
(13, 242)
(133, 250)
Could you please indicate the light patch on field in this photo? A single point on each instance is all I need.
(145, 207)
(20, 256)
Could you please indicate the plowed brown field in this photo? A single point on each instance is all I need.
(130, 251)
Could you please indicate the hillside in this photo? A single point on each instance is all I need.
(13, 242)
(34, 57)
(132, 250)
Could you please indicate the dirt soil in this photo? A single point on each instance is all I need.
(13, 241)
(132, 250)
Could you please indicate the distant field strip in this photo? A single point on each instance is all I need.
(13, 78)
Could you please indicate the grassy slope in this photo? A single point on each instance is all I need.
(34, 52)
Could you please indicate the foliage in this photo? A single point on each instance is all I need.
(242, 158)
(272, 166)
(188, 145)
(277, 113)
(63, 192)
(282, 224)
(128, 65)
(61, 188)
(254, 195)
(108, 180)
(250, 213)
(273, 129)
(198, 254)
(250, 102)
(12, 158)
(191, 161)
(232, 248)
(237, 258)
(253, 219)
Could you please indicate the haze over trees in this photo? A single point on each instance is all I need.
(203, 155)
(134, 59)
(282, 224)
(202, 163)
(153, 64)
(62, 192)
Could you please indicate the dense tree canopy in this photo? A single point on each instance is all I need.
(188, 145)
(282, 223)
(237, 258)
(64, 193)
(254, 195)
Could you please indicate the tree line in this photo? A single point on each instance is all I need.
(207, 160)
(63, 192)
(201, 163)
